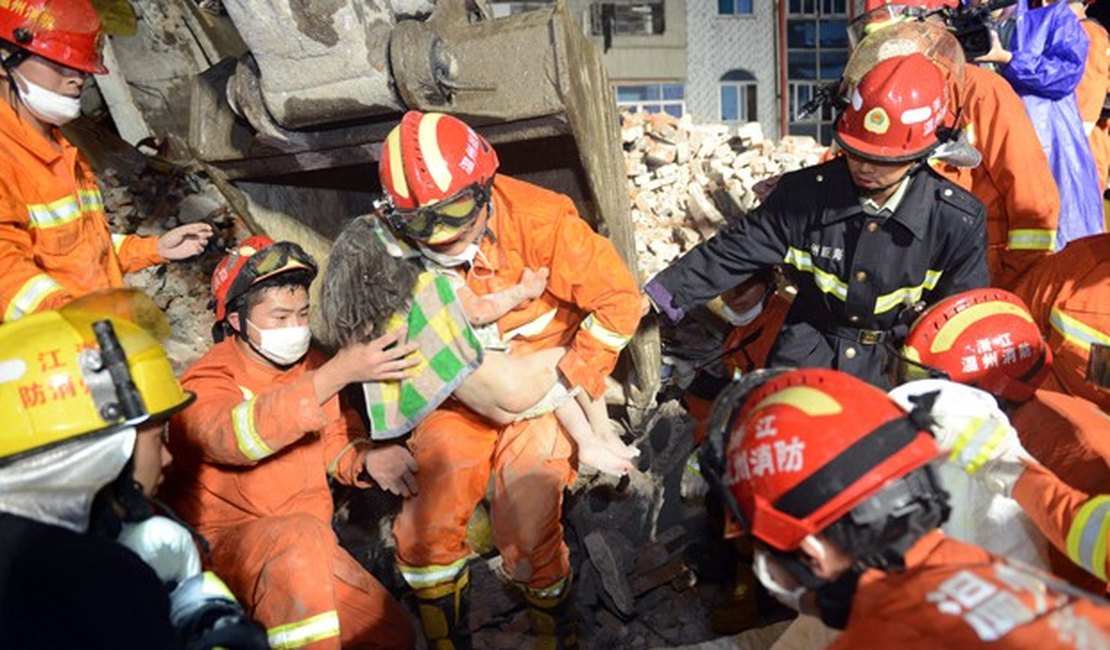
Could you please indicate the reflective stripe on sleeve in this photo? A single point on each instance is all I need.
(907, 295)
(424, 577)
(825, 281)
(30, 296)
(1087, 536)
(91, 200)
(52, 215)
(1032, 240)
(607, 337)
(302, 633)
(250, 443)
(1076, 332)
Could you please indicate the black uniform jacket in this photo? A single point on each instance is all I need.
(63, 591)
(855, 273)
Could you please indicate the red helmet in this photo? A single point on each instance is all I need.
(252, 261)
(435, 160)
(64, 31)
(895, 111)
(985, 338)
(929, 5)
(812, 444)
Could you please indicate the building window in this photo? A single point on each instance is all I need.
(735, 7)
(738, 90)
(816, 53)
(667, 98)
(626, 19)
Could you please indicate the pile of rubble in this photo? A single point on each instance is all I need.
(687, 180)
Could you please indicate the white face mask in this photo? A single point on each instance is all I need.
(283, 345)
(792, 598)
(466, 256)
(737, 319)
(47, 105)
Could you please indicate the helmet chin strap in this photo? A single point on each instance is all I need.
(872, 192)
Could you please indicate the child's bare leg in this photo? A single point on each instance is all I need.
(504, 387)
(598, 415)
(592, 449)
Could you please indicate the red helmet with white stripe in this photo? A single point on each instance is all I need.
(895, 111)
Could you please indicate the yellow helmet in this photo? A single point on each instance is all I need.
(84, 369)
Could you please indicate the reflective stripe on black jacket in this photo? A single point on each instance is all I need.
(853, 271)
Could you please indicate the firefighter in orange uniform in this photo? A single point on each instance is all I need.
(834, 482)
(1093, 88)
(1014, 180)
(987, 338)
(253, 455)
(54, 239)
(1069, 297)
(439, 176)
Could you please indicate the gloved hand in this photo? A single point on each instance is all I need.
(978, 435)
(165, 545)
(693, 487)
(207, 616)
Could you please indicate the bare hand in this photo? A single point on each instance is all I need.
(998, 54)
(393, 468)
(371, 361)
(184, 241)
(533, 283)
(645, 305)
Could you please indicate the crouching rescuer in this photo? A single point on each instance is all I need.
(836, 483)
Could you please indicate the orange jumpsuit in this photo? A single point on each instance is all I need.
(955, 595)
(1014, 181)
(1091, 93)
(746, 348)
(1073, 522)
(592, 305)
(1071, 438)
(1069, 297)
(251, 461)
(54, 239)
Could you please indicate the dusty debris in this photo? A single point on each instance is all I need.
(685, 181)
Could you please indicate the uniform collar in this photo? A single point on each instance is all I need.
(891, 205)
(840, 200)
(22, 135)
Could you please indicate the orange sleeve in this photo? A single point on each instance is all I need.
(1039, 287)
(136, 253)
(1019, 169)
(24, 288)
(227, 426)
(345, 447)
(586, 271)
(1055, 507)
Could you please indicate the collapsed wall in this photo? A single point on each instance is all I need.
(687, 180)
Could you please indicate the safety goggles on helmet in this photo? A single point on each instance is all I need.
(876, 19)
(275, 259)
(442, 220)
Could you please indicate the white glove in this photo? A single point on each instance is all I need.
(165, 545)
(974, 429)
(693, 487)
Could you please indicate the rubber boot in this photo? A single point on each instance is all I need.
(549, 611)
(445, 613)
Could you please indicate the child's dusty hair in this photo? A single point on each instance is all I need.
(364, 286)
